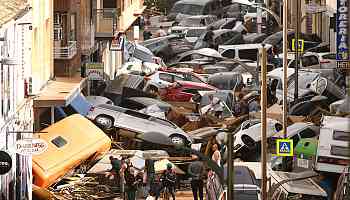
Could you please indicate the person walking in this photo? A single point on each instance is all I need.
(131, 183)
(114, 172)
(161, 32)
(196, 170)
(216, 157)
(168, 180)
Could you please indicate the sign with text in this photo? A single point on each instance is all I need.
(5, 162)
(342, 27)
(27, 147)
(95, 71)
(284, 147)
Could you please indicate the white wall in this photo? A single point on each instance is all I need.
(15, 110)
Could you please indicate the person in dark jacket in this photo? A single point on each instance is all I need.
(131, 183)
(196, 170)
(168, 180)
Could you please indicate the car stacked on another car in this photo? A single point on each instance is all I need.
(136, 125)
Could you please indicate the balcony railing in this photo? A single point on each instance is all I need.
(66, 52)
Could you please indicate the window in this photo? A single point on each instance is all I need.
(309, 61)
(195, 79)
(109, 4)
(230, 53)
(59, 142)
(136, 114)
(307, 133)
(329, 56)
(340, 135)
(340, 151)
(166, 77)
(191, 91)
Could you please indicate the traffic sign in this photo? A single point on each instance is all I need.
(299, 46)
(284, 147)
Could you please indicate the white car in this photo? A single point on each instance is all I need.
(138, 67)
(250, 133)
(197, 21)
(160, 79)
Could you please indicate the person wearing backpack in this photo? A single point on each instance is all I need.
(168, 180)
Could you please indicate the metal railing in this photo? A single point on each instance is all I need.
(66, 52)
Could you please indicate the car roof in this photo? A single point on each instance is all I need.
(195, 84)
(295, 128)
(336, 123)
(200, 17)
(244, 46)
(195, 2)
(150, 101)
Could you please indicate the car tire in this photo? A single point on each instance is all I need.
(177, 140)
(105, 122)
(152, 89)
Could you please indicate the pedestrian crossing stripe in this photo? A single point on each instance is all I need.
(284, 147)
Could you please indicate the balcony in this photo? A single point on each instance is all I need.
(66, 52)
(105, 21)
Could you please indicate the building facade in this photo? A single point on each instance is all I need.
(16, 111)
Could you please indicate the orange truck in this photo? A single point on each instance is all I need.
(72, 141)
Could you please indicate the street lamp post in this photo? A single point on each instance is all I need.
(285, 74)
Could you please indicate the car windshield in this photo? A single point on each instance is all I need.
(193, 22)
(304, 80)
(195, 32)
(188, 9)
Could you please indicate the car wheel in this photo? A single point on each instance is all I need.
(104, 121)
(177, 140)
(153, 90)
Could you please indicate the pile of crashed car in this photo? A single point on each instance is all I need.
(162, 97)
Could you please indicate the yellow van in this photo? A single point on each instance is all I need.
(71, 142)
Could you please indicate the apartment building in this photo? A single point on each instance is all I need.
(16, 111)
(113, 17)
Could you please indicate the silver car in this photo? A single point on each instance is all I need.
(138, 125)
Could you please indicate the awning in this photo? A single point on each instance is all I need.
(59, 92)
